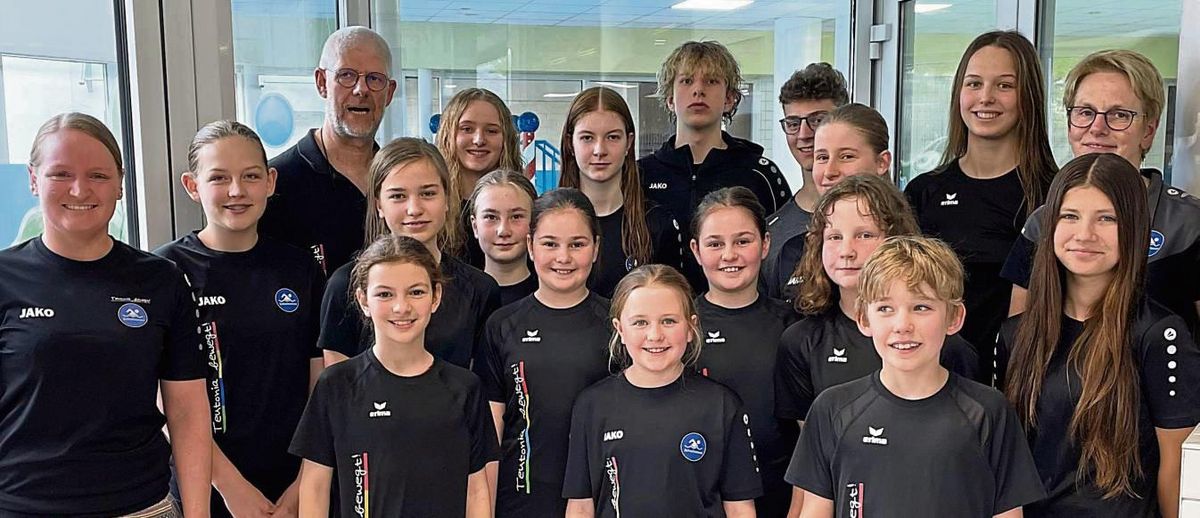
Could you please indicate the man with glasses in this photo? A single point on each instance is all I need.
(319, 200)
(806, 97)
(1113, 101)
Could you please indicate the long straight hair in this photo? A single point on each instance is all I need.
(399, 152)
(1105, 421)
(510, 151)
(1035, 159)
(635, 232)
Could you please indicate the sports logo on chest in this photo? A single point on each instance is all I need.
(839, 356)
(36, 313)
(714, 337)
(875, 436)
(613, 435)
(951, 200)
(380, 410)
(658, 186)
(531, 337)
(212, 300)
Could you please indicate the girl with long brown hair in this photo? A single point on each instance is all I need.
(1102, 377)
(995, 171)
(598, 159)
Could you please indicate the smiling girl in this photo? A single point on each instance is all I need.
(500, 208)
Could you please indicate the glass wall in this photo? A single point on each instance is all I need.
(276, 46)
(537, 54)
(934, 33)
(51, 64)
(1080, 27)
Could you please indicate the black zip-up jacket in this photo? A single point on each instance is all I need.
(670, 179)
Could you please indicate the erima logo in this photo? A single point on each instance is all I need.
(875, 436)
(658, 185)
(531, 336)
(380, 410)
(839, 356)
(132, 315)
(287, 300)
(950, 199)
(37, 313)
(792, 281)
(1157, 240)
(714, 337)
(214, 300)
(614, 435)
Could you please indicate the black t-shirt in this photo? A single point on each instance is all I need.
(676, 451)
(824, 350)
(980, 219)
(1173, 258)
(959, 452)
(740, 349)
(1168, 375)
(536, 360)
(518, 291)
(455, 329)
(666, 246)
(84, 345)
(788, 228)
(259, 318)
(314, 206)
(399, 446)
(673, 181)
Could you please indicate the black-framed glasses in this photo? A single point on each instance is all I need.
(791, 125)
(1116, 119)
(348, 77)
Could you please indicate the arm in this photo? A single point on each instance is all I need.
(1011, 513)
(332, 357)
(797, 503)
(493, 468)
(581, 508)
(479, 493)
(186, 406)
(1170, 452)
(1018, 301)
(739, 509)
(315, 480)
(816, 506)
(241, 497)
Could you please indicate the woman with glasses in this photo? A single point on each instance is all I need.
(995, 170)
(1113, 100)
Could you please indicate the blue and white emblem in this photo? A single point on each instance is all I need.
(693, 446)
(132, 315)
(1157, 240)
(287, 300)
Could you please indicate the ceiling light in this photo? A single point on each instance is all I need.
(929, 8)
(616, 85)
(551, 96)
(712, 5)
(450, 86)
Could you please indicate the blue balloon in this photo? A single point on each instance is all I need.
(435, 122)
(274, 119)
(528, 122)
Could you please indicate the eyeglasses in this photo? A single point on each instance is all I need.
(1117, 120)
(791, 125)
(348, 77)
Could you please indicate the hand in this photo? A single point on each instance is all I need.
(288, 505)
(246, 501)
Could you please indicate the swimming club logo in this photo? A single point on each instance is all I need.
(854, 493)
(132, 315)
(614, 480)
(380, 410)
(521, 391)
(839, 356)
(362, 485)
(1157, 240)
(714, 337)
(874, 436)
(693, 446)
(531, 336)
(287, 300)
(630, 263)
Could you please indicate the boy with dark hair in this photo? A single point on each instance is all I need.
(698, 84)
(807, 97)
(918, 439)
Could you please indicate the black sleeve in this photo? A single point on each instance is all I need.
(793, 382)
(1003, 353)
(959, 356)
(491, 302)
(485, 447)
(668, 239)
(740, 478)
(780, 190)
(183, 351)
(1016, 476)
(914, 191)
(487, 364)
(1019, 263)
(341, 323)
(313, 439)
(1170, 371)
(810, 468)
(577, 481)
(317, 289)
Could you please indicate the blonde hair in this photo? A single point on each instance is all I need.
(918, 261)
(502, 178)
(82, 123)
(700, 56)
(399, 152)
(217, 130)
(1143, 76)
(510, 151)
(643, 277)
